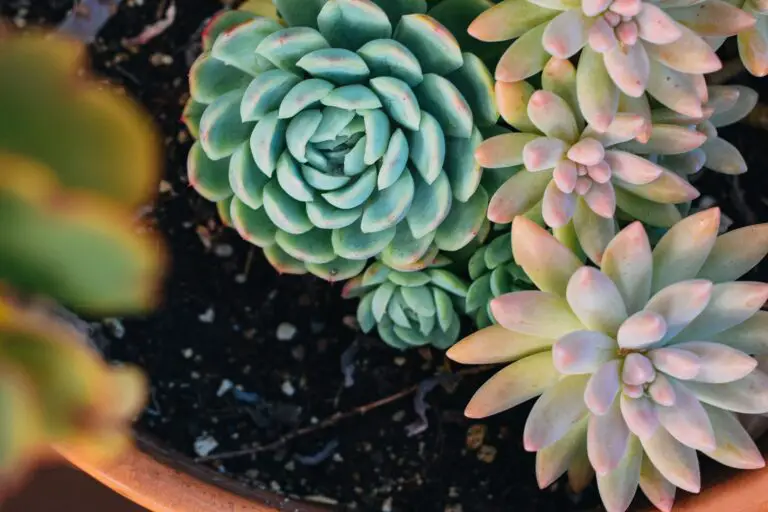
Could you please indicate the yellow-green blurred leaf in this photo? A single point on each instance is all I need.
(74, 247)
(19, 419)
(91, 136)
(261, 8)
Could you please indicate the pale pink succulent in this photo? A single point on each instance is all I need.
(639, 363)
(574, 176)
(685, 145)
(627, 46)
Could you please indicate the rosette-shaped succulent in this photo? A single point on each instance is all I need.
(627, 46)
(409, 309)
(493, 272)
(345, 136)
(686, 145)
(573, 172)
(638, 364)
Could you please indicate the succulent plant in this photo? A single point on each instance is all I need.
(626, 46)
(752, 40)
(57, 393)
(67, 204)
(638, 364)
(686, 145)
(493, 273)
(573, 171)
(70, 230)
(409, 309)
(345, 136)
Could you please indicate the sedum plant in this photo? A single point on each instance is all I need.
(345, 135)
(409, 309)
(575, 174)
(637, 364)
(67, 206)
(626, 46)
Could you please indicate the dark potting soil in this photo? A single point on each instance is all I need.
(240, 357)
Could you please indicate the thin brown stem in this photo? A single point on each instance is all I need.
(334, 419)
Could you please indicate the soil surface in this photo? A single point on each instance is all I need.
(239, 356)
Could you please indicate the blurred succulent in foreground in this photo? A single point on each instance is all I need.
(56, 392)
(638, 364)
(493, 272)
(574, 172)
(627, 46)
(345, 136)
(675, 139)
(67, 206)
(409, 309)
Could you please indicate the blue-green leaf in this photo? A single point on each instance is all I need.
(464, 173)
(389, 206)
(448, 281)
(283, 262)
(354, 194)
(253, 225)
(377, 131)
(381, 298)
(339, 269)
(209, 78)
(430, 206)
(265, 93)
(314, 246)
(432, 44)
(268, 142)
(235, 46)
(334, 120)
(352, 97)
(285, 47)
(443, 100)
(394, 161)
(322, 181)
(325, 216)
(221, 129)
(350, 242)
(338, 65)
(365, 317)
(428, 148)
(209, 178)
(352, 23)
(388, 58)
(476, 85)
(399, 101)
(291, 180)
(300, 130)
(245, 178)
(419, 299)
(285, 212)
(404, 249)
(302, 13)
(303, 95)
(463, 222)
(375, 274)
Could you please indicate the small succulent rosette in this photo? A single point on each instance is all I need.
(752, 40)
(345, 136)
(686, 145)
(409, 309)
(493, 272)
(639, 363)
(627, 47)
(573, 173)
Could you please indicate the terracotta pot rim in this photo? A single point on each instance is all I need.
(163, 480)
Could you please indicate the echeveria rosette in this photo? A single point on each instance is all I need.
(639, 363)
(686, 145)
(345, 140)
(493, 272)
(575, 176)
(409, 309)
(627, 46)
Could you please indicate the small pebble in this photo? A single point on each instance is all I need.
(351, 322)
(290, 465)
(288, 388)
(316, 327)
(252, 473)
(387, 505)
(225, 386)
(286, 331)
(274, 486)
(454, 507)
(476, 436)
(208, 316)
(453, 492)
(337, 457)
(223, 250)
(398, 416)
(165, 187)
(298, 352)
(195, 375)
(116, 327)
(486, 454)
(204, 445)
(399, 361)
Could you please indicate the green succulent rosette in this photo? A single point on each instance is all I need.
(347, 135)
(493, 272)
(409, 309)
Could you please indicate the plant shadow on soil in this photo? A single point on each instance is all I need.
(224, 305)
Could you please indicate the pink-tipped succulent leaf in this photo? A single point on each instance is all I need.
(654, 352)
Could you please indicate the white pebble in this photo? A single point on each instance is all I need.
(288, 388)
(387, 505)
(225, 386)
(187, 353)
(286, 331)
(204, 445)
(208, 316)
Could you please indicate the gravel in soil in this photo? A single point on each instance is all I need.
(239, 356)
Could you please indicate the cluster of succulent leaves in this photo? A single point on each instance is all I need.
(336, 132)
(67, 204)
